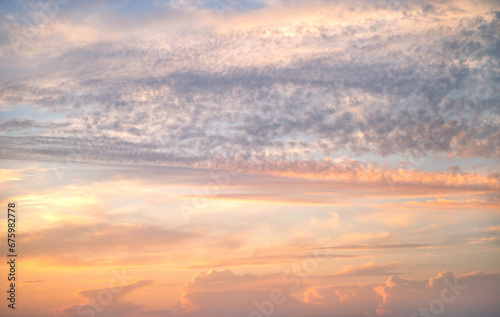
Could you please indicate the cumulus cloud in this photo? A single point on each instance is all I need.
(227, 294)
(446, 294)
(109, 301)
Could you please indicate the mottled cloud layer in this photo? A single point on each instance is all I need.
(251, 84)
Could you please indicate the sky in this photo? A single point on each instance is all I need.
(235, 158)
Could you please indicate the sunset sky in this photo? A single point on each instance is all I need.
(234, 158)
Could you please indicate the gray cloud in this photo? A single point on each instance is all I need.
(418, 93)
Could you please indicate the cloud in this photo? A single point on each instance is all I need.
(13, 125)
(369, 269)
(93, 244)
(305, 106)
(327, 79)
(11, 175)
(364, 237)
(345, 300)
(265, 260)
(463, 294)
(446, 293)
(110, 301)
(492, 229)
(447, 204)
(210, 292)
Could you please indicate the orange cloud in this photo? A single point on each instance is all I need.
(358, 175)
(446, 204)
(11, 175)
(102, 244)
